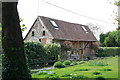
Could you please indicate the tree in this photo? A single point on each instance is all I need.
(117, 3)
(110, 39)
(14, 61)
(95, 29)
(102, 38)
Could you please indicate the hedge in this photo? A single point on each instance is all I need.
(107, 51)
(52, 50)
(39, 55)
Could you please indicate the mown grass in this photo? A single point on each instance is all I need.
(106, 68)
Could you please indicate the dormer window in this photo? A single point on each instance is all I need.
(84, 29)
(43, 34)
(54, 24)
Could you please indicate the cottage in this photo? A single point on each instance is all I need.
(48, 30)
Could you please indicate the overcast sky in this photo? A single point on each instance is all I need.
(97, 12)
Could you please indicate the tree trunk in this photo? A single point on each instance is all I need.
(14, 61)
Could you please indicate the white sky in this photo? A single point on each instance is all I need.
(97, 9)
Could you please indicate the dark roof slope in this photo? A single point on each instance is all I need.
(68, 31)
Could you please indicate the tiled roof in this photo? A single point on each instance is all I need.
(68, 31)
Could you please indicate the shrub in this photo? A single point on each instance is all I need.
(52, 50)
(67, 62)
(35, 50)
(97, 73)
(66, 75)
(74, 63)
(106, 70)
(58, 64)
(107, 51)
(39, 55)
(81, 62)
(100, 78)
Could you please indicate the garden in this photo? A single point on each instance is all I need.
(45, 63)
(98, 68)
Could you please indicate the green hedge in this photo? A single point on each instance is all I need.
(39, 55)
(52, 50)
(107, 51)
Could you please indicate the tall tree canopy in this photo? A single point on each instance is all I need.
(110, 39)
(14, 62)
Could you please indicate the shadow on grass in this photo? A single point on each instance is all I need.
(82, 70)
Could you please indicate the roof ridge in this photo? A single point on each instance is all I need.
(64, 21)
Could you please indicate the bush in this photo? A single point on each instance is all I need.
(81, 62)
(107, 51)
(100, 78)
(39, 55)
(58, 64)
(52, 50)
(97, 73)
(67, 62)
(74, 63)
(106, 70)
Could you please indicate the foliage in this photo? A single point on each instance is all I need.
(95, 28)
(106, 69)
(23, 28)
(67, 62)
(102, 38)
(97, 73)
(35, 50)
(110, 39)
(100, 78)
(58, 64)
(113, 39)
(0, 37)
(117, 3)
(74, 63)
(94, 45)
(39, 55)
(81, 69)
(65, 47)
(52, 50)
(107, 51)
(81, 62)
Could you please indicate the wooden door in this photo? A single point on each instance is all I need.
(81, 52)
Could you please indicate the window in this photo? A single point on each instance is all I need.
(43, 34)
(84, 29)
(40, 40)
(32, 33)
(54, 24)
(79, 44)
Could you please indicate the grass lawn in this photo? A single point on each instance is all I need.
(106, 68)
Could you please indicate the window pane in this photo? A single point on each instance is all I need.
(32, 33)
(43, 33)
(54, 24)
(84, 29)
